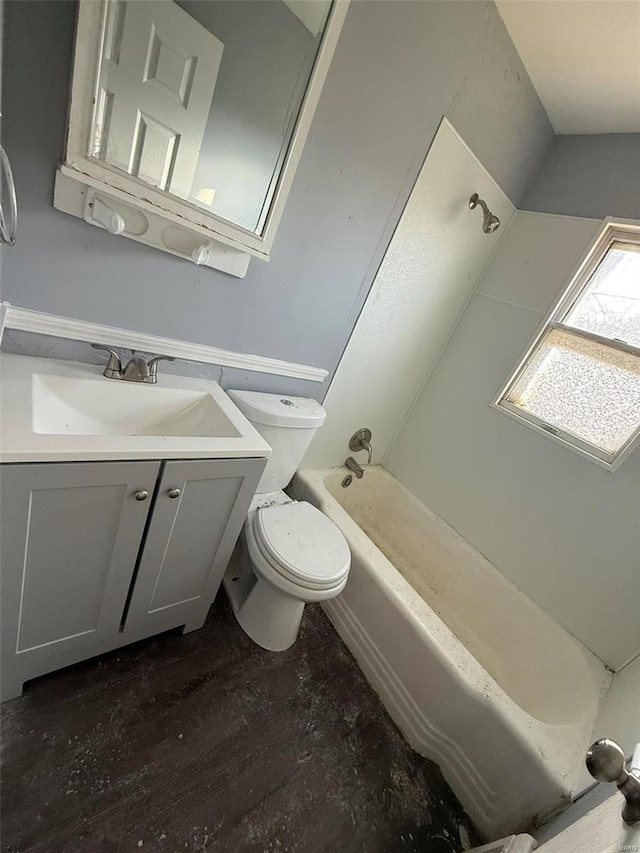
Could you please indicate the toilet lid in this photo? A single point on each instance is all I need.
(306, 545)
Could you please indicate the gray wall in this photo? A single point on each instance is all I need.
(267, 58)
(594, 176)
(1, 49)
(398, 68)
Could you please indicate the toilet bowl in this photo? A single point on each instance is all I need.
(289, 554)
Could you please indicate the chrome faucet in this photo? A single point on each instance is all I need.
(352, 465)
(137, 368)
(360, 440)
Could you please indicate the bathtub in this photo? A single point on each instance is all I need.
(476, 675)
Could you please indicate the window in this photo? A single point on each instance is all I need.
(580, 380)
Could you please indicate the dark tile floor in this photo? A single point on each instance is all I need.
(207, 742)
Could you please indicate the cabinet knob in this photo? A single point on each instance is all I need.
(174, 493)
(142, 495)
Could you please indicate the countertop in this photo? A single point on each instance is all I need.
(19, 442)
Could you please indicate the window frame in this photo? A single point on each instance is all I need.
(613, 230)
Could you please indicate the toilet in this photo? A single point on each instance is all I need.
(289, 553)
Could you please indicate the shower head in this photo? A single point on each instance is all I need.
(490, 222)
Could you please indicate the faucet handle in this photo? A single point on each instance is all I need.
(361, 440)
(113, 369)
(152, 364)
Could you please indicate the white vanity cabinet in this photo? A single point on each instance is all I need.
(95, 555)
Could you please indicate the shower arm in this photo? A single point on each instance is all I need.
(490, 221)
(475, 200)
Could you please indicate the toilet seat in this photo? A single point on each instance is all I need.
(302, 545)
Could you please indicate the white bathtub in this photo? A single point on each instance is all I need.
(475, 674)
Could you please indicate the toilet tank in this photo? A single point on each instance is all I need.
(287, 424)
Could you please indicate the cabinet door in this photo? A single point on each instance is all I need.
(198, 513)
(70, 539)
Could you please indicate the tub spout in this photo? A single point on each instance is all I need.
(352, 465)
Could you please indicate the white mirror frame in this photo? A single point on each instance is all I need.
(198, 235)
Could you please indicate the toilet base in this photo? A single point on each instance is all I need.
(271, 618)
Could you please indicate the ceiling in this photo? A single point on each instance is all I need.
(583, 57)
(312, 13)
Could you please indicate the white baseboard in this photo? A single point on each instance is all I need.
(27, 320)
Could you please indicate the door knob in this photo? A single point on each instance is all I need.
(605, 762)
(142, 495)
(174, 493)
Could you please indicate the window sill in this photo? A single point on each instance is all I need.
(609, 462)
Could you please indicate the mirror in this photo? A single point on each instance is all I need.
(188, 119)
(200, 98)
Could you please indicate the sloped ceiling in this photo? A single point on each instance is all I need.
(583, 57)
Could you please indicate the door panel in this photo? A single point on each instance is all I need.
(190, 538)
(70, 539)
(601, 830)
(154, 104)
(181, 579)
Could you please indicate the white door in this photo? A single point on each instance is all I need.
(157, 80)
(601, 830)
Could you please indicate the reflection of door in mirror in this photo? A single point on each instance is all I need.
(200, 98)
(157, 80)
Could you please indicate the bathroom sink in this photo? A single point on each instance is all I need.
(63, 405)
(65, 411)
